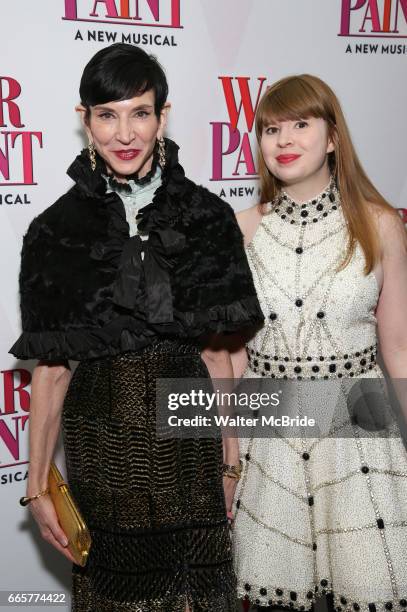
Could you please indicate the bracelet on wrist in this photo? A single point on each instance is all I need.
(232, 471)
(24, 501)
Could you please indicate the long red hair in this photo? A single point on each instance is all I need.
(303, 96)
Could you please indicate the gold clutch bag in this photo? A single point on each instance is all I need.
(69, 516)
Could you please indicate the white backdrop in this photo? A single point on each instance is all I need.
(214, 52)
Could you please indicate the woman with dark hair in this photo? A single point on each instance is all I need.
(132, 273)
(325, 512)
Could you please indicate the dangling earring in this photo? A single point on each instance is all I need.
(161, 152)
(92, 155)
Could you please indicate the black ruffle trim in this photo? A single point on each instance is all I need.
(126, 334)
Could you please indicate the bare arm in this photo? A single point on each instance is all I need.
(48, 389)
(217, 360)
(392, 304)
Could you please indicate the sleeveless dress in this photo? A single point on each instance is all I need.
(321, 515)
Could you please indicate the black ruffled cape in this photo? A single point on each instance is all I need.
(86, 292)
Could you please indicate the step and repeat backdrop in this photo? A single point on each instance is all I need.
(219, 56)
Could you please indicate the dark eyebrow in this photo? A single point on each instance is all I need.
(112, 110)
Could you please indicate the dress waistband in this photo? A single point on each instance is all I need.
(312, 367)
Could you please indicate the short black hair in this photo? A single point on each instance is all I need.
(121, 72)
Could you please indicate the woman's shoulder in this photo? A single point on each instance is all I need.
(249, 221)
(69, 213)
(390, 227)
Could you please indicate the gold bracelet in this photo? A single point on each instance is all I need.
(232, 471)
(24, 501)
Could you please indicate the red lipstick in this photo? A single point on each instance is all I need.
(287, 159)
(127, 154)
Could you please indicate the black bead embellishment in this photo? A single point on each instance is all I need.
(293, 595)
(238, 503)
(356, 607)
(315, 368)
(320, 207)
(314, 546)
(263, 591)
(324, 582)
(247, 586)
(364, 469)
(380, 523)
(311, 503)
(299, 302)
(305, 456)
(344, 601)
(320, 314)
(388, 605)
(310, 595)
(279, 592)
(297, 369)
(403, 603)
(299, 250)
(348, 365)
(372, 607)
(332, 368)
(247, 456)
(272, 316)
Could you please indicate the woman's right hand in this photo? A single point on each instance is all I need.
(43, 511)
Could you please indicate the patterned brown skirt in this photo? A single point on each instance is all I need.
(155, 508)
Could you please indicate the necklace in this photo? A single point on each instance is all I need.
(312, 211)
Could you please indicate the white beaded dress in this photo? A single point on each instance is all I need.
(321, 515)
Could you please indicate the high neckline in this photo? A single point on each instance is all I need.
(134, 187)
(93, 184)
(326, 190)
(133, 181)
(311, 211)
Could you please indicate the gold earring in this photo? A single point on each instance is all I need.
(92, 155)
(161, 152)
